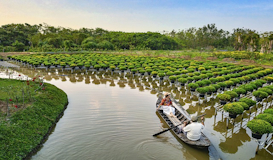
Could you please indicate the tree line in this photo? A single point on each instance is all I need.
(43, 37)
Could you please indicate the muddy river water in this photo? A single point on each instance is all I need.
(111, 116)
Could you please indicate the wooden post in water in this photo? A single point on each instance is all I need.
(214, 119)
(227, 122)
(257, 149)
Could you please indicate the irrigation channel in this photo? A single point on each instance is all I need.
(111, 115)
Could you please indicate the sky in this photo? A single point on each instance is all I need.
(140, 15)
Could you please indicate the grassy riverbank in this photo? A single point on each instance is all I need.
(30, 119)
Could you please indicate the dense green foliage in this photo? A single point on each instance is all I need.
(248, 101)
(259, 126)
(19, 37)
(43, 37)
(266, 116)
(260, 94)
(234, 108)
(224, 97)
(269, 110)
(27, 127)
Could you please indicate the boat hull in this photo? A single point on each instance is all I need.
(182, 116)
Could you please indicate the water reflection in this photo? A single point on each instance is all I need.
(228, 141)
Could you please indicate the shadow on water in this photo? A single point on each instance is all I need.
(227, 137)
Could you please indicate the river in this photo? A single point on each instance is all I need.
(111, 116)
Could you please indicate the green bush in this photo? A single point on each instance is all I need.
(203, 76)
(213, 80)
(248, 101)
(260, 94)
(268, 91)
(253, 85)
(246, 78)
(182, 80)
(149, 70)
(131, 67)
(201, 68)
(207, 82)
(124, 68)
(97, 66)
(177, 72)
(202, 90)
(220, 78)
(209, 75)
(222, 84)
(224, 97)
(227, 77)
(73, 65)
(216, 86)
(243, 104)
(233, 108)
(178, 76)
(142, 71)
(229, 83)
(269, 110)
(247, 87)
(259, 126)
(210, 88)
(241, 79)
(200, 83)
(239, 91)
(170, 73)
(235, 80)
(196, 78)
(266, 116)
(190, 79)
(193, 85)
(87, 66)
(269, 78)
(184, 71)
(190, 74)
(172, 78)
(269, 87)
(161, 74)
(154, 73)
(257, 83)
(261, 81)
(231, 93)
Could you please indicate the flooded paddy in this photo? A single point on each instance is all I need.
(111, 115)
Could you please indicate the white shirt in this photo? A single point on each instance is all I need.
(193, 131)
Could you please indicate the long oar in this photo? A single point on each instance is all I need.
(166, 130)
(173, 127)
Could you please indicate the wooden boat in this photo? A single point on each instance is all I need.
(181, 116)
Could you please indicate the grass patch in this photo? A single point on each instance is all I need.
(27, 126)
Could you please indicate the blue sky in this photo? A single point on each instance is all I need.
(140, 15)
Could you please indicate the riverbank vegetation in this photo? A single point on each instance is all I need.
(43, 37)
(204, 42)
(29, 110)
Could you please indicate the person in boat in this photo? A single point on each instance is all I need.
(167, 105)
(193, 130)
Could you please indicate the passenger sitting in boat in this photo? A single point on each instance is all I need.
(193, 130)
(167, 105)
